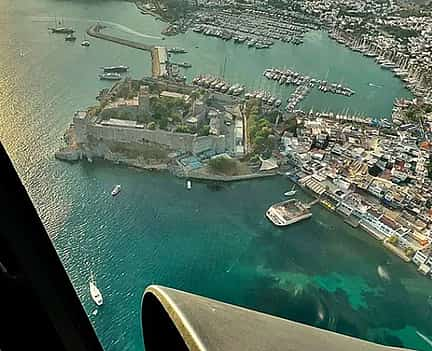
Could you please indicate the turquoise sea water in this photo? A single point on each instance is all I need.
(213, 241)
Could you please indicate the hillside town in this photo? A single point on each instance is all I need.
(377, 178)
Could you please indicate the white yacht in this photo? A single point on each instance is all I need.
(188, 185)
(292, 192)
(116, 190)
(95, 293)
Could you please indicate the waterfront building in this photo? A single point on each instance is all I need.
(174, 95)
(423, 259)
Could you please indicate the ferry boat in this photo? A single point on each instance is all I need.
(177, 51)
(115, 69)
(288, 212)
(95, 293)
(184, 64)
(116, 190)
(110, 76)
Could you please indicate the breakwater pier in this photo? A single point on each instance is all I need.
(158, 54)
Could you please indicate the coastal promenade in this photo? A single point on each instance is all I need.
(225, 178)
(96, 31)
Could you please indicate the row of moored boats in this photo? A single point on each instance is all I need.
(298, 95)
(290, 77)
(220, 85)
(265, 97)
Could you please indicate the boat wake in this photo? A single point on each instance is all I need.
(113, 24)
(374, 85)
(320, 312)
(231, 267)
(129, 30)
(383, 273)
(429, 300)
(424, 337)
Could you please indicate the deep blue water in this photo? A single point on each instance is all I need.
(211, 241)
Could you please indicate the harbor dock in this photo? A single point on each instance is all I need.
(158, 59)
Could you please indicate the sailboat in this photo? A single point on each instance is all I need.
(291, 192)
(95, 293)
(60, 28)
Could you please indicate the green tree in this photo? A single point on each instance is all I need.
(142, 117)
(183, 129)
(393, 240)
(409, 251)
(204, 130)
(429, 169)
(163, 123)
(125, 115)
(291, 125)
(224, 165)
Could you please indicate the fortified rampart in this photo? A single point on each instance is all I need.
(138, 134)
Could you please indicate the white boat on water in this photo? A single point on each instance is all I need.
(95, 293)
(116, 190)
(188, 185)
(292, 192)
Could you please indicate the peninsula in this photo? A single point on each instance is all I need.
(375, 173)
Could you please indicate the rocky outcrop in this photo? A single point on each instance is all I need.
(69, 155)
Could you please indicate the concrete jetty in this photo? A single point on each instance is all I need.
(157, 70)
(95, 31)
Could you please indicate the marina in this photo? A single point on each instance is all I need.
(298, 95)
(410, 70)
(288, 77)
(219, 84)
(257, 29)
